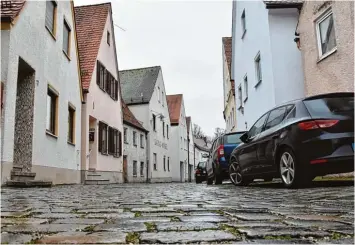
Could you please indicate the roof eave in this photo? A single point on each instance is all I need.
(137, 103)
(135, 126)
(283, 5)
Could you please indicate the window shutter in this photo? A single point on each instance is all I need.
(116, 90)
(98, 72)
(108, 82)
(50, 8)
(100, 137)
(119, 143)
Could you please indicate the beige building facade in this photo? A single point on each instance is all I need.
(326, 40)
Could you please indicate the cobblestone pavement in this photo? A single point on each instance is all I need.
(178, 213)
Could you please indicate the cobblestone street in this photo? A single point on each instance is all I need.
(178, 213)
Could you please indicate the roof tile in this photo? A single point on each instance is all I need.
(11, 8)
(227, 44)
(174, 105)
(129, 118)
(90, 24)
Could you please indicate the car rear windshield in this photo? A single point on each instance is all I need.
(233, 138)
(201, 164)
(330, 106)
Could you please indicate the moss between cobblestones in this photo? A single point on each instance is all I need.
(132, 237)
(137, 214)
(89, 228)
(338, 236)
(231, 230)
(218, 212)
(127, 210)
(151, 226)
(174, 219)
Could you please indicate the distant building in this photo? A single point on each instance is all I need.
(135, 148)
(102, 127)
(202, 150)
(229, 113)
(191, 149)
(266, 65)
(41, 102)
(326, 41)
(179, 143)
(143, 91)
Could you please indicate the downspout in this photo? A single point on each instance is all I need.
(188, 157)
(147, 157)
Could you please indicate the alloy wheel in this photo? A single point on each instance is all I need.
(235, 174)
(287, 168)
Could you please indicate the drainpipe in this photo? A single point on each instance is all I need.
(147, 156)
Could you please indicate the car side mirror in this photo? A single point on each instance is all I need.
(244, 138)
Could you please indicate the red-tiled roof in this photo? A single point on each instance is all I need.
(90, 24)
(129, 118)
(174, 105)
(188, 121)
(227, 44)
(10, 9)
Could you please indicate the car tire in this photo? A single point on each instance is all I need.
(217, 177)
(292, 173)
(236, 176)
(198, 181)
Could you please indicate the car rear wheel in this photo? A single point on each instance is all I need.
(209, 180)
(236, 176)
(217, 177)
(291, 172)
(198, 181)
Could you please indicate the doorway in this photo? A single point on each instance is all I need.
(93, 143)
(24, 113)
(125, 177)
(190, 172)
(181, 172)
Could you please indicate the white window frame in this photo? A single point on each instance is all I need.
(240, 95)
(243, 23)
(318, 21)
(258, 72)
(246, 87)
(134, 133)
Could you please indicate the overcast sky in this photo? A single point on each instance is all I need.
(185, 39)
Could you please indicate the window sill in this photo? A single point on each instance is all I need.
(246, 98)
(126, 142)
(142, 147)
(142, 176)
(327, 55)
(103, 153)
(51, 134)
(134, 176)
(116, 156)
(245, 31)
(52, 34)
(258, 84)
(71, 143)
(240, 107)
(134, 145)
(66, 55)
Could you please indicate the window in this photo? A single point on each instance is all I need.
(244, 28)
(103, 128)
(167, 131)
(326, 34)
(164, 129)
(125, 136)
(106, 81)
(108, 38)
(158, 94)
(276, 116)
(154, 123)
(169, 164)
(142, 169)
(66, 38)
(164, 164)
(52, 114)
(258, 69)
(257, 127)
(134, 138)
(246, 87)
(101, 75)
(71, 124)
(142, 141)
(134, 168)
(155, 161)
(162, 98)
(240, 96)
(51, 16)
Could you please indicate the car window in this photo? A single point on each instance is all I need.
(233, 138)
(201, 164)
(330, 106)
(276, 116)
(257, 127)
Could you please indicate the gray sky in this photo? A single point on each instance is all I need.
(185, 39)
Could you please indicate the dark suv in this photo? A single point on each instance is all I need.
(200, 172)
(218, 160)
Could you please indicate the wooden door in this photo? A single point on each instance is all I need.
(125, 179)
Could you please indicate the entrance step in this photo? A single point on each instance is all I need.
(22, 176)
(97, 182)
(28, 183)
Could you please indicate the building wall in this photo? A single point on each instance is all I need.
(255, 40)
(102, 107)
(191, 152)
(336, 72)
(135, 153)
(174, 153)
(157, 143)
(30, 40)
(286, 58)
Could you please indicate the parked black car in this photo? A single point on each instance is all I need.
(298, 141)
(219, 155)
(200, 172)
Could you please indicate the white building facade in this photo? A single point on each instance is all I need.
(191, 149)
(42, 98)
(102, 124)
(143, 91)
(179, 142)
(266, 64)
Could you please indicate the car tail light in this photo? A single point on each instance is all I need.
(220, 151)
(317, 124)
(197, 171)
(318, 161)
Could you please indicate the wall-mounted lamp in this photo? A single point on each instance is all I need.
(297, 40)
